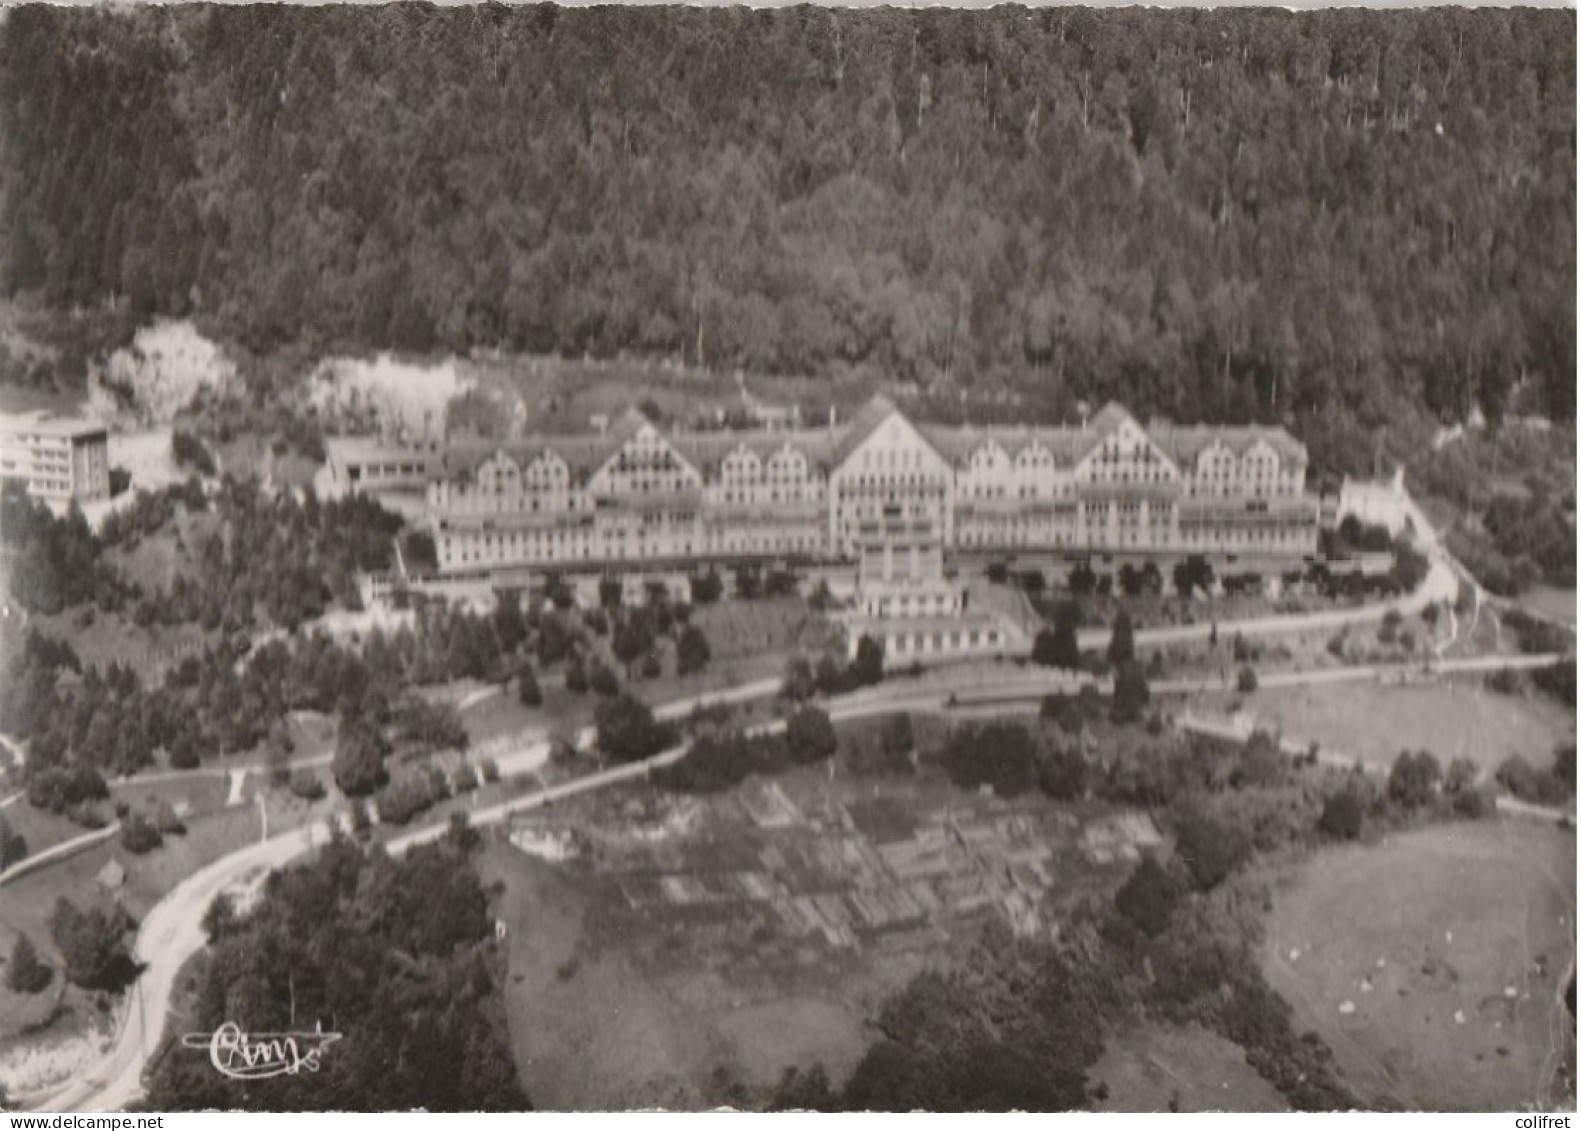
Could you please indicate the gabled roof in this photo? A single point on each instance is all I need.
(866, 421)
(1184, 443)
(958, 444)
(828, 448)
(582, 454)
(1100, 427)
(707, 450)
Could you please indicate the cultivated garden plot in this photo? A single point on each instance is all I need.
(785, 908)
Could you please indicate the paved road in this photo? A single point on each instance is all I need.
(58, 852)
(170, 934)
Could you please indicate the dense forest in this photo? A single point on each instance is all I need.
(1327, 218)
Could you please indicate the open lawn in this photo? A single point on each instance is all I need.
(40, 828)
(1434, 964)
(749, 628)
(26, 903)
(191, 795)
(1150, 1067)
(1454, 719)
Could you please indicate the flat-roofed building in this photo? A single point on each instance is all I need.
(368, 465)
(58, 457)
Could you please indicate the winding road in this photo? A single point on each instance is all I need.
(171, 933)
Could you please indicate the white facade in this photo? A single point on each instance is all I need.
(635, 495)
(58, 458)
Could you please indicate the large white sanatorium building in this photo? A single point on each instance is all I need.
(635, 496)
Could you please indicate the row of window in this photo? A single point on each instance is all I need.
(938, 641)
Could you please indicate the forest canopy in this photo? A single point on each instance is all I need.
(1324, 218)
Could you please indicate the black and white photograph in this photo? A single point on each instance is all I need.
(824, 559)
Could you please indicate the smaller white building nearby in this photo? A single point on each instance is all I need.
(59, 458)
(1376, 502)
(371, 466)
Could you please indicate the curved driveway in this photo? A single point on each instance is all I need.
(171, 933)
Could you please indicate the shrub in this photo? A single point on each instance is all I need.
(1342, 815)
(627, 730)
(1002, 756)
(93, 944)
(138, 834)
(576, 676)
(1558, 680)
(1535, 636)
(1564, 770)
(411, 794)
(1210, 849)
(1462, 774)
(361, 823)
(1505, 681)
(168, 821)
(25, 974)
(1043, 648)
(528, 693)
(1527, 783)
(692, 652)
(1148, 897)
(1131, 693)
(305, 784)
(810, 736)
(799, 684)
(603, 680)
(189, 451)
(13, 845)
(719, 760)
(1062, 773)
(358, 766)
(1475, 803)
(88, 815)
(1122, 641)
(706, 588)
(489, 770)
(1246, 680)
(868, 667)
(898, 740)
(1413, 778)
